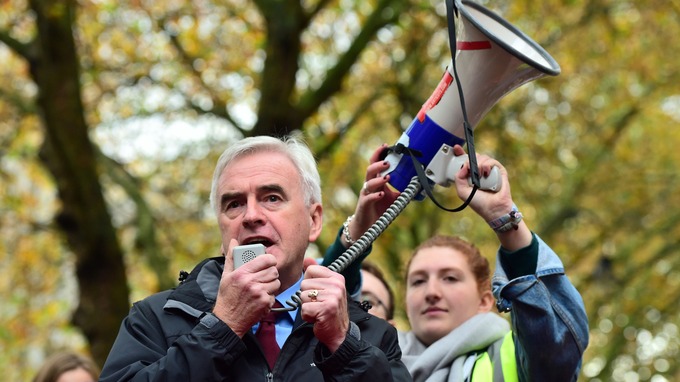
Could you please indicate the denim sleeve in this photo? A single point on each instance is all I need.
(352, 273)
(548, 318)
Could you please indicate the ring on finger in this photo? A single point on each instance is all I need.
(313, 294)
(365, 188)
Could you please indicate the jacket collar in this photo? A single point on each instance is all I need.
(194, 295)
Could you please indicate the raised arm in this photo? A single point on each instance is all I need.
(549, 322)
(375, 197)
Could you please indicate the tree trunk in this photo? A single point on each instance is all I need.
(69, 155)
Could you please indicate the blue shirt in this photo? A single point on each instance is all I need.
(284, 322)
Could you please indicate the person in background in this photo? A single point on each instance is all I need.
(377, 292)
(455, 336)
(68, 366)
(223, 323)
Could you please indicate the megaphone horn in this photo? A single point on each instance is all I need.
(492, 59)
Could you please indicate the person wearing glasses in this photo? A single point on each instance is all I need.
(377, 292)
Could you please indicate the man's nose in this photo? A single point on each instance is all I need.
(253, 214)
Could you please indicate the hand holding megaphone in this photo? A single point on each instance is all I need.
(445, 165)
(488, 205)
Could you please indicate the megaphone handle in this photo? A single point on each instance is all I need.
(492, 182)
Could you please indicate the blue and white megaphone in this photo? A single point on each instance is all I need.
(492, 58)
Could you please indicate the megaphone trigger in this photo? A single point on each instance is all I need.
(491, 182)
(445, 165)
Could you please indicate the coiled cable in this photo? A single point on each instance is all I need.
(359, 246)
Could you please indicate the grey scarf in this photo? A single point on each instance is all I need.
(444, 360)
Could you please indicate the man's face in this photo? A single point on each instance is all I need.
(373, 290)
(261, 200)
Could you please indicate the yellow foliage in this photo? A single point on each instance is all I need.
(591, 153)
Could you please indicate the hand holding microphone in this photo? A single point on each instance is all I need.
(246, 293)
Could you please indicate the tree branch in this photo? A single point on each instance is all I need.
(219, 108)
(333, 142)
(311, 100)
(24, 50)
(146, 241)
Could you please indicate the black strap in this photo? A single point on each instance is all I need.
(424, 181)
(469, 135)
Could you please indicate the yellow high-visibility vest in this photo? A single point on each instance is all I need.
(503, 367)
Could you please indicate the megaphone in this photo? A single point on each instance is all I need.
(492, 59)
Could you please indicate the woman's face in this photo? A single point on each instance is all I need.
(441, 293)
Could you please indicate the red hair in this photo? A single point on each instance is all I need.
(478, 263)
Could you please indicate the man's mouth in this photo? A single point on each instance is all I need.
(258, 240)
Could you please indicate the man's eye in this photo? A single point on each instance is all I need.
(273, 198)
(231, 205)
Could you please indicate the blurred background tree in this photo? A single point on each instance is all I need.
(112, 115)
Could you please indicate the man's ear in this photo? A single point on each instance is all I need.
(316, 221)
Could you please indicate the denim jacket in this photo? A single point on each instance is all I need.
(548, 317)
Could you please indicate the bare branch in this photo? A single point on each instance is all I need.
(24, 106)
(219, 108)
(311, 100)
(22, 49)
(146, 241)
(364, 107)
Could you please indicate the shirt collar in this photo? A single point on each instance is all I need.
(286, 296)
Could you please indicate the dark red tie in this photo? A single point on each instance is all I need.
(266, 334)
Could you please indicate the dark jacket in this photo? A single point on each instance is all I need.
(164, 339)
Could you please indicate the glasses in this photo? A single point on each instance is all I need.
(372, 301)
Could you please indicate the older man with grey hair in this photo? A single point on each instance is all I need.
(221, 324)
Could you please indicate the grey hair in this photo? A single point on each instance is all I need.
(293, 147)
